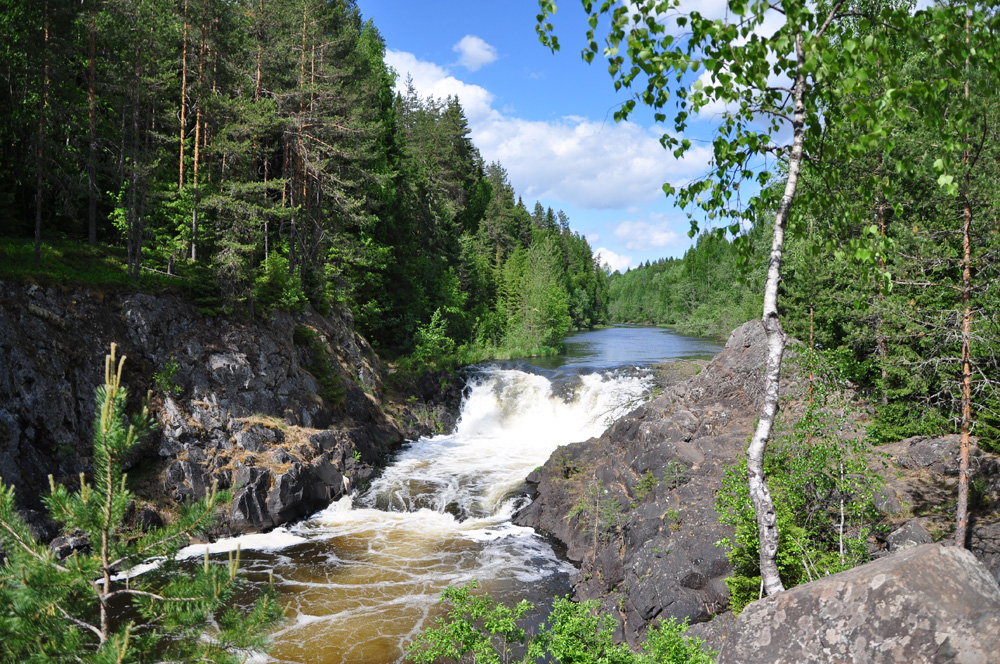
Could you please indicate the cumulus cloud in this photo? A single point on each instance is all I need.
(590, 165)
(595, 165)
(614, 261)
(654, 233)
(474, 53)
(431, 80)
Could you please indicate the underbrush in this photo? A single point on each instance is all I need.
(103, 268)
(820, 476)
(478, 628)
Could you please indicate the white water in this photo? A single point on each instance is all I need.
(362, 577)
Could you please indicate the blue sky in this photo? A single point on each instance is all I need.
(547, 118)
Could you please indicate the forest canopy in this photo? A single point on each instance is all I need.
(257, 152)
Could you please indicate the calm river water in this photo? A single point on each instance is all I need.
(362, 577)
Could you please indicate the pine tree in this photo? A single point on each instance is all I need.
(92, 606)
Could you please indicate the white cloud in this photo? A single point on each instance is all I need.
(474, 53)
(655, 233)
(587, 164)
(613, 260)
(430, 80)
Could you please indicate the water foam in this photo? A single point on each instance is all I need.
(364, 576)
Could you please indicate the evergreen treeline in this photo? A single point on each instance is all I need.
(257, 149)
(703, 293)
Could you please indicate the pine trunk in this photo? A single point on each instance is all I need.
(40, 152)
(92, 134)
(184, 57)
(197, 135)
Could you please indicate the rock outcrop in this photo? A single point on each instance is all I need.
(926, 605)
(636, 507)
(237, 402)
(921, 485)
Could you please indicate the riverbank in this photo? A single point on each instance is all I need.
(636, 508)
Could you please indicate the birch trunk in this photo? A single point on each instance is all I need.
(767, 517)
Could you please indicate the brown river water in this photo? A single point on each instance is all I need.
(362, 578)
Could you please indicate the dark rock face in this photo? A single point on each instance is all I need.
(647, 549)
(907, 536)
(657, 470)
(926, 605)
(920, 490)
(242, 410)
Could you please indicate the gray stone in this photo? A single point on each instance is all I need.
(663, 560)
(887, 502)
(258, 438)
(927, 605)
(147, 520)
(230, 371)
(66, 545)
(249, 507)
(287, 501)
(911, 534)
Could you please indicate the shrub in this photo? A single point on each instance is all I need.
(574, 633)
(275, 288)
(824, 493)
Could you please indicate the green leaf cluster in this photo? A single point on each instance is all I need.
(824, 489)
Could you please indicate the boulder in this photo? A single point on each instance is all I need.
(911, 534)
(926, 605)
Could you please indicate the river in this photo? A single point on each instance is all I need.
(362, 578)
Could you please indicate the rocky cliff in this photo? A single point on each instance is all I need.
(286, 412)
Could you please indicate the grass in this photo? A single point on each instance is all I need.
(69, 263)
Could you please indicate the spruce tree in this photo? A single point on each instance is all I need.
(95, 605)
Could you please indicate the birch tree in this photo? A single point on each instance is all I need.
(779, 88)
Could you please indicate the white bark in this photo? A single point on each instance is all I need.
(767, 518)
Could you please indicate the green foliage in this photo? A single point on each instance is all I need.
(433, 346)
(646, 484)
(276, 288)
(319, 364)
(666, 644)
(477, 626)
(61, 610)
(165, 379)
(824, 492)
(604, 513)
(578, 634)
(69, 263)
(378, 202)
